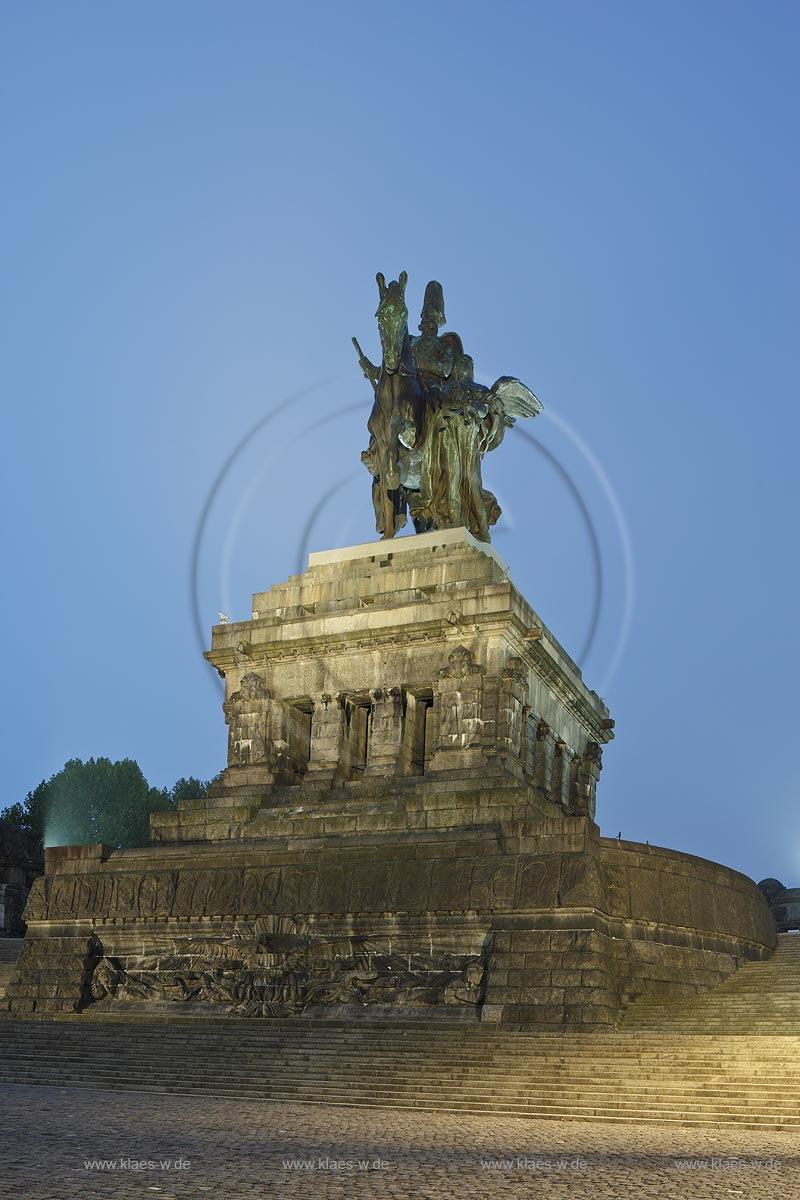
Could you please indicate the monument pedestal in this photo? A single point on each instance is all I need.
(405, 821)
(413, 659)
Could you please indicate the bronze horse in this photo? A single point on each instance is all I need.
(398, 411)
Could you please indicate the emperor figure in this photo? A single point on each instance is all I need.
(434, 356)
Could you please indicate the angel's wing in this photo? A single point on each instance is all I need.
(517, 400)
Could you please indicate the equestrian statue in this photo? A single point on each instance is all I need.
(431, 423)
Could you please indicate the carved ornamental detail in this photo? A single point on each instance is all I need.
(276, 967)
(458, 701)
(465, 716)
(247, 714)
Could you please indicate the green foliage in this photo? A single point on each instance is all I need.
(17, 814)
(29, 815)
(98, 801)
(187, 789)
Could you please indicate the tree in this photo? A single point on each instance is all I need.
(98, 801)
(29, 815)
(187, 789)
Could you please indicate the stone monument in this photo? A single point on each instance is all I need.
(406, 822)
(431, 423)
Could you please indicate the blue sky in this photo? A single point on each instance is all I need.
(196, 199)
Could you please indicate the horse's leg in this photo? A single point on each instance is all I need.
(378, 426)
(377, 504)
(393, 503)
(394, 421)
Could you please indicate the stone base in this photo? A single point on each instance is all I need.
(374, 806)
(53, 973)
(405, 825)
(537, 923)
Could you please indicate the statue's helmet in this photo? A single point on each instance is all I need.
(433, 304)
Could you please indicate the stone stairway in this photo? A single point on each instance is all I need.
(356, 809)
(761, 998)
(9, 953)
(749, 1082)
(728, 1057)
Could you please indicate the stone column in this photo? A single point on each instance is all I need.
(562, 776)
(545, 754)
(327, 736)
(417, 726)
(591, 765)
(354, 738)
(530, 744)
(511, 708)
(292, 738)
(385, 732)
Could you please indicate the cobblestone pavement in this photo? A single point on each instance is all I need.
(54, 1138)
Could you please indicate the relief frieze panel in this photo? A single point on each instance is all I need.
(539, 883)
(492, 886)
(276, 967)
(410, 885)
(259, 891)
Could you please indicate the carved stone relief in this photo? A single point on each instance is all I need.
(458, 701)
(247, 714)
(277, 967)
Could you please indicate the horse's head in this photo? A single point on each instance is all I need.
(392, 317)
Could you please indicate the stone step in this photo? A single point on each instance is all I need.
(560, 1108)
(749, 1082)
(596, 1047)
(658, 1021)
(733, 1093)
(489, 1066)
(10, 948)
(510, 1089)
(761, 997)
(702, 1027)
(700, 1074)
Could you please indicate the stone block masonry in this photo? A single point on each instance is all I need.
(405, 825)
